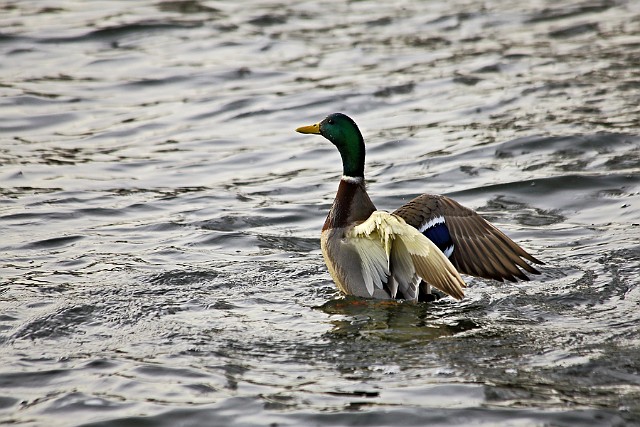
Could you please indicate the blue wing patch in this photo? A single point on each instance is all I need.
(437, 231)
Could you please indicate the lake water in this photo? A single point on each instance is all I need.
(160, 259)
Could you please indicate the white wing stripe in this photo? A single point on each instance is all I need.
(449, 251)
(432, 222)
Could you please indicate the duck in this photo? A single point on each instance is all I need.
(403, 255)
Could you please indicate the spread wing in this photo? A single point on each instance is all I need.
(473, 245)
(395, 254)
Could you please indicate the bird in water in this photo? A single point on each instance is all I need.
(427, 242)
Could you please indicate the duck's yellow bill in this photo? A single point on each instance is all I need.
(309, 129)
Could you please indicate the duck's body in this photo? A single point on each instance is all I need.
(338, 223)
(374, 254)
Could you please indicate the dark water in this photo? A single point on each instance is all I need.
(160, 218)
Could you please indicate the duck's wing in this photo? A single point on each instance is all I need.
(473, 245)
(394, 254)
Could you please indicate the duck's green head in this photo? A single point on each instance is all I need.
(342, 131)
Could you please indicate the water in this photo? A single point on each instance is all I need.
(160, 218)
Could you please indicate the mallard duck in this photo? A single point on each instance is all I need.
(427, 242)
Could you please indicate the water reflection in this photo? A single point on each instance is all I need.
(401, 322)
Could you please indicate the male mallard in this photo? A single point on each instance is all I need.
(375, 254)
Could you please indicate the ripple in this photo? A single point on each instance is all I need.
(569, 11)
(53, 242)
(575, 30)
(15, 380)
(41, 121)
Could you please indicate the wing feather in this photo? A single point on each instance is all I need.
(407, 253)
(374, 262)
(480, 249)
(403, 272)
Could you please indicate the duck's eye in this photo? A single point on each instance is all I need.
(330, 121)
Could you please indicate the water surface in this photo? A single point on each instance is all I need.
(160, 259)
